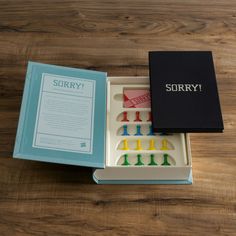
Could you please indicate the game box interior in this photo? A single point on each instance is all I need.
(134, 154)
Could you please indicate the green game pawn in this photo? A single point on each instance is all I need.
(126, 162)
(139, 162)
(152, 161)
(165, 162)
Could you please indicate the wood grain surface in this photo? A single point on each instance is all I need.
(115, 36)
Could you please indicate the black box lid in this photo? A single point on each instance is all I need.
(184, 95)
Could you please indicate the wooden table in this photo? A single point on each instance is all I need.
(115, 36)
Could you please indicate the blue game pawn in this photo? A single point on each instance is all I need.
(125, 130)
(138, 130)
(150, 130)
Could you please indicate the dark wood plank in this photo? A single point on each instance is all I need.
(115, 36)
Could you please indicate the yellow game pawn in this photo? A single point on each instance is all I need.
(152, 144)
(139, 147)
(164, 145)
(125, 145)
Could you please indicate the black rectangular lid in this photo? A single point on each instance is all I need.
(184, 95)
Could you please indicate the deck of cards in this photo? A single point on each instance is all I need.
(137, 98)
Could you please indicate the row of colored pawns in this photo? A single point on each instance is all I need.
(140, 161)
(151, 145)
(137, 117)
(138, 131)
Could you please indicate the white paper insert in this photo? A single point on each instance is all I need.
(65, 114)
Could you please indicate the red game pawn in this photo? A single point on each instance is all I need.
(137, 116)
(125, 118)
(149, 116)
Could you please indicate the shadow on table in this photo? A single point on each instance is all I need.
(51, 172)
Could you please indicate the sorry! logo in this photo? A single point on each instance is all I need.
(183, 88)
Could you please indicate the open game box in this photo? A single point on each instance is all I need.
(129, 129)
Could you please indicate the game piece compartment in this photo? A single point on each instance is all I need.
(179, 154)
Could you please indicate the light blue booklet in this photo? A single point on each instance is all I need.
(63, 116)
